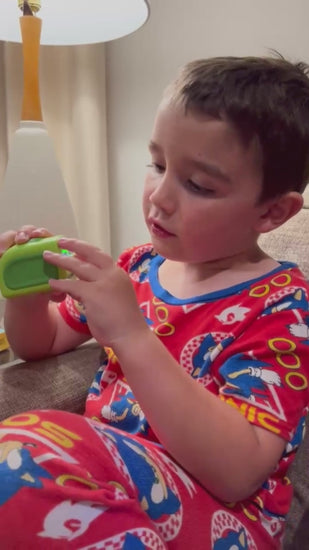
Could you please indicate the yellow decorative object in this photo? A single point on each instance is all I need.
(3, 341)
(35, 5)
(31, 32)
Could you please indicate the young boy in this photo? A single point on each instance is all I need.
(198, 410)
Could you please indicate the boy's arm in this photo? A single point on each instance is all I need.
(35, 328)
(230, 457)
(33, 324)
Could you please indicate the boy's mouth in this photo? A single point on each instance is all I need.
(158, 230)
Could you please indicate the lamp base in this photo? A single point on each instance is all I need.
(33, 191)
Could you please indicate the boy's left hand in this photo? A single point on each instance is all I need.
(113, 314)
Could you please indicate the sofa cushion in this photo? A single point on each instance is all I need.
(57, 383)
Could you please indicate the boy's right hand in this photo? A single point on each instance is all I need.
(21, 236)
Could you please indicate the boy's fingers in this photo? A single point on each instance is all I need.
(41, 232)
(27, 232)
(86, 252)
(79, 267)
(22, 235)
(7, 239)
(58, 296)
(66, 286)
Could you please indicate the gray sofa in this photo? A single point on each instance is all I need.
(61, 382)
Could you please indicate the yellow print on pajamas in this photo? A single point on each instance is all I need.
(157, 316)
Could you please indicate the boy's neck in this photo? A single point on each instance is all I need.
(185, 280)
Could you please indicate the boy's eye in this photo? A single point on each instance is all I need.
(158, 168)
(199, 189)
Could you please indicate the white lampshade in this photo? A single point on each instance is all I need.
(72, 22)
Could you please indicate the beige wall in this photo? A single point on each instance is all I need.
(139, 67)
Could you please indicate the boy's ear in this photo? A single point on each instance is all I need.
(277, 211)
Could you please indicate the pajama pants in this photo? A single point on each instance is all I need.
(68, 482)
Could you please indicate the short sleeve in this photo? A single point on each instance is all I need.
(266, 373)
(73, 313)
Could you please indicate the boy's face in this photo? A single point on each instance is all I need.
(201, 191)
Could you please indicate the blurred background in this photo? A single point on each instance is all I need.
(99, 101)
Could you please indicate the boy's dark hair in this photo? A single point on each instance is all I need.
(264, 98)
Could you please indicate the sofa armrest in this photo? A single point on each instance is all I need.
(59, 382)
(297, 527)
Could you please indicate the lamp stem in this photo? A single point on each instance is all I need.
(31, 33)
(27, 9)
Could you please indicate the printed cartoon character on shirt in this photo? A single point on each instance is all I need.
(301, 330)
(80, 312)
(297, 300)
(95, 388)
(155, 496)
(126, 413)
(228, 533)
(133, 543)
(234, 540)
(69, 520)
(207, 352)
(232, 314)
(298, 436)
(140, 268)
(248, 377)
(18, 469)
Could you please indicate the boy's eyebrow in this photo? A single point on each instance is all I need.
(208, 168)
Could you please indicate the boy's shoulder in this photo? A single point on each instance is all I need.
(288, 273)
(279, 285)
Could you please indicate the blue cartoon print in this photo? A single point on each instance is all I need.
(155, 497)
(247, 377)
(18, 470)
(80, 310)
(147, 319)
(206, 354)
(126, 414)
(234, 540)
(95, 388)
(132, 542)
(298, 436)
(291, 301)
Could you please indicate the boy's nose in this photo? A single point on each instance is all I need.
(163, 196)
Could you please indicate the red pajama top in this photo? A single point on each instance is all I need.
(248, 344)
